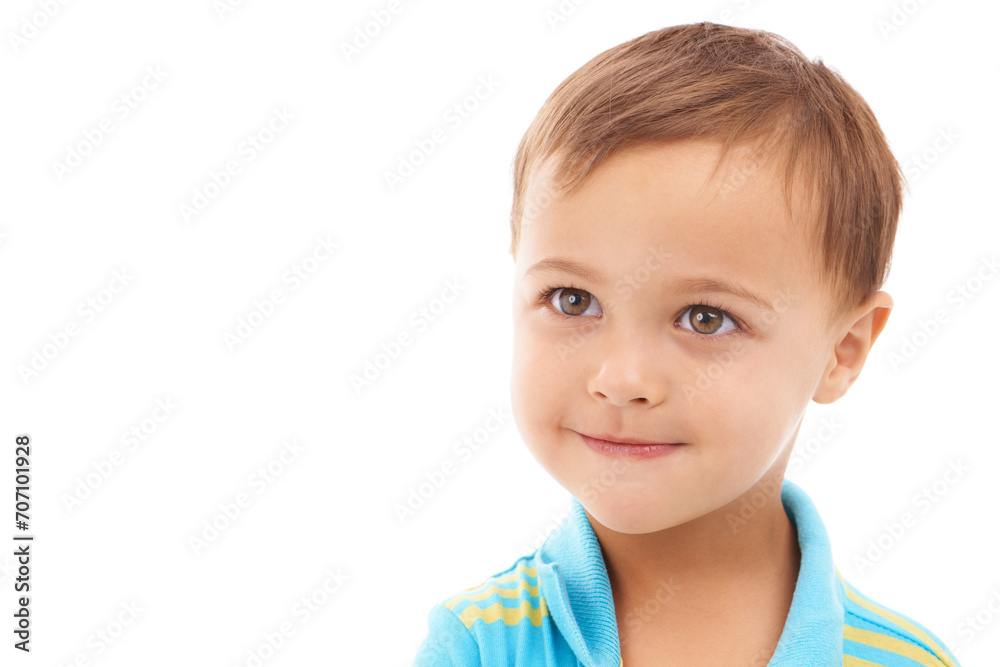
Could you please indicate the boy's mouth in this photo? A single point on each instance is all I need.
(627, 447)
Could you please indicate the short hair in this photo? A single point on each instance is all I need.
(740, 86)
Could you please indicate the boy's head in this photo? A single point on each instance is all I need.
(687, 159)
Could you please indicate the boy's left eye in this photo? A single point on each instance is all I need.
(707, 320)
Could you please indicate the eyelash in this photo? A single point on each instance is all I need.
(545, 299)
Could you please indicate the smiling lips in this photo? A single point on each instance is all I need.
(634, 448)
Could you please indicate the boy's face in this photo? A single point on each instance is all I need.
(651, 367)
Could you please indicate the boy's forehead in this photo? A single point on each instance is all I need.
(696, 165)
(679, 188)
(714, 218)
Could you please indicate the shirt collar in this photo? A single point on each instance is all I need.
(578, 592)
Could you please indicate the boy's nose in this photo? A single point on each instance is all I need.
(627, 375)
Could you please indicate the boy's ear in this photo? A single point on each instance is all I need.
(859, 330)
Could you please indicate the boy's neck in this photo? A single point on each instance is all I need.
(703, 568)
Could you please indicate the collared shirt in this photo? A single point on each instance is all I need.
(555, 607)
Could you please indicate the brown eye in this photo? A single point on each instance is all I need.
(572, 301)
(708, 321)
(705, 319)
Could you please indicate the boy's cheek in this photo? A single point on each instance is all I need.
(549, 356)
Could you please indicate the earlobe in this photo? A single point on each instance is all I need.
(852, 346)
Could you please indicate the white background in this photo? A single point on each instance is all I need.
(331, 508)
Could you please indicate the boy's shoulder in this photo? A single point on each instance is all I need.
(521, 613)
(497, 622)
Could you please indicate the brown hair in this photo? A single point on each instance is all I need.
(738, 85)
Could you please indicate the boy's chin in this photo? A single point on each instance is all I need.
(632, 516)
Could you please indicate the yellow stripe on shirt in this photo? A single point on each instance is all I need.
(491, 586)
(891, 644)
(509, 615)
(852, 593)
(851, 661)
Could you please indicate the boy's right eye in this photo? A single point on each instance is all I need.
(571, 301)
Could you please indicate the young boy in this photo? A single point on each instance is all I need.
(702, 222)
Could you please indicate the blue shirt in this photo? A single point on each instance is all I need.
(554, 607)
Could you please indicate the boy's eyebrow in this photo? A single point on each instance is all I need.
(683, 284)
(568, 266)
(722, 285)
